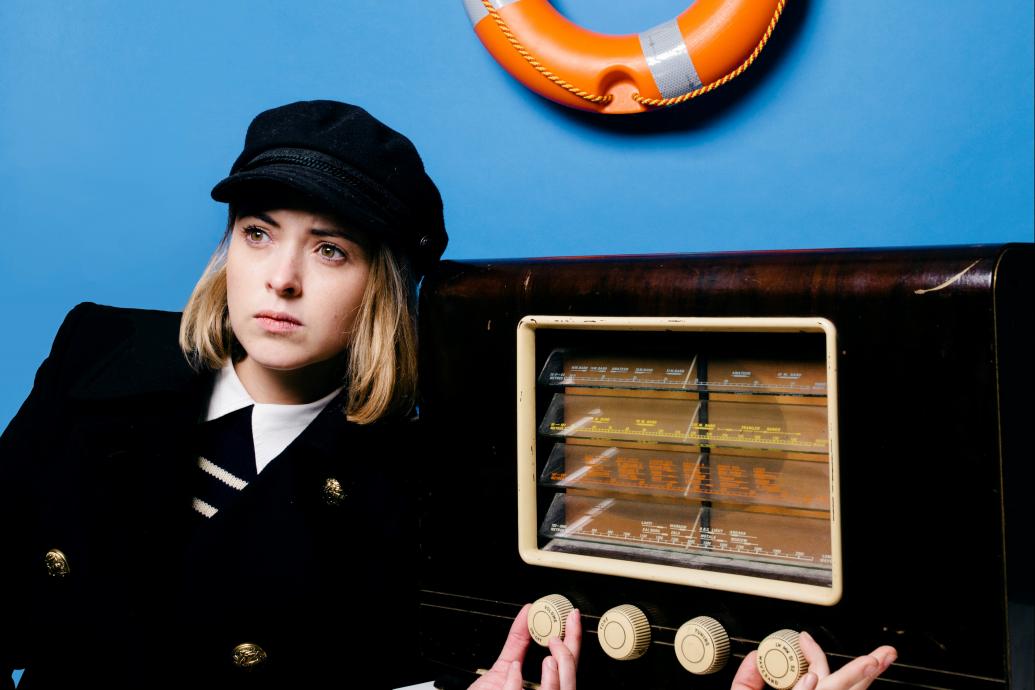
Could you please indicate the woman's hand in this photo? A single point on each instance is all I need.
(558, 668)
(855, 675)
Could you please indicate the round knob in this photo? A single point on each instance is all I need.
(547, 616)
(780, 660)
(624, 632)
(702, 645)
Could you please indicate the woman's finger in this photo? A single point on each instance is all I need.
(813, 654)
(748, 677)
(573, 634)
(857, 674)
(550, 678)
(885, 657)
(517, 639)
(564, 660)
(513, 679)
(807, 682)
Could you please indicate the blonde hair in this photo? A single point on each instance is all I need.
(381, 361)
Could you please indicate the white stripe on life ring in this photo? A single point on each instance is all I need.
(476, 10)
(668, 59)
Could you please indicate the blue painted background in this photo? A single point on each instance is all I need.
(885, 122)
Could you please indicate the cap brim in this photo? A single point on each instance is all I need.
(327, 194)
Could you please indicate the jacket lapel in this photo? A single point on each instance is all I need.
(138, 408)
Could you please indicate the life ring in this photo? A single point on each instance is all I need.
(710, 43)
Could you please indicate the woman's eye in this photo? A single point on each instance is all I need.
(254, 234)
(330, 251)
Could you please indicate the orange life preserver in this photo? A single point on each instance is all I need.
(711, 42)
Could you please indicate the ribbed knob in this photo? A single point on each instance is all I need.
(780, 660)
(547, 616)
(702, 645)
(624, 632)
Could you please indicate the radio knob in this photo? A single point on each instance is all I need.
(624, 633)
(780, 660)
(547, 616)
(702, 645)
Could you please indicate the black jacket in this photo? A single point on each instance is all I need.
(98, 465)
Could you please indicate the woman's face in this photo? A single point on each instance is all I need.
(294, 283)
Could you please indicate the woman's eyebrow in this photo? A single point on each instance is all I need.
(336, 232)
(264, 217)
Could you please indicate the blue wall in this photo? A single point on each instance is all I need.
(863, 123)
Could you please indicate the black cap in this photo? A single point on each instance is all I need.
(349, 164)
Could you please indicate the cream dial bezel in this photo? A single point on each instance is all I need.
(526, 457)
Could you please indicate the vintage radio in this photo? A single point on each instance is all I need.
(700, 451)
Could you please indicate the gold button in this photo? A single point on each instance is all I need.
(248, 655)
(57, 563)
(333, 493)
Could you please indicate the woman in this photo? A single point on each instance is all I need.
(236, 514)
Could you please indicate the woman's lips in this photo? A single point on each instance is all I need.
(278, 322)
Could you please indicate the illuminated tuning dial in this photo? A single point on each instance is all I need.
(624, 632)
(547, 616)
(780, 660)
(702, 645)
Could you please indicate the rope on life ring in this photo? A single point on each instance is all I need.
(709, 44)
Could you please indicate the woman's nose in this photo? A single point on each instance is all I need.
(286, 277)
